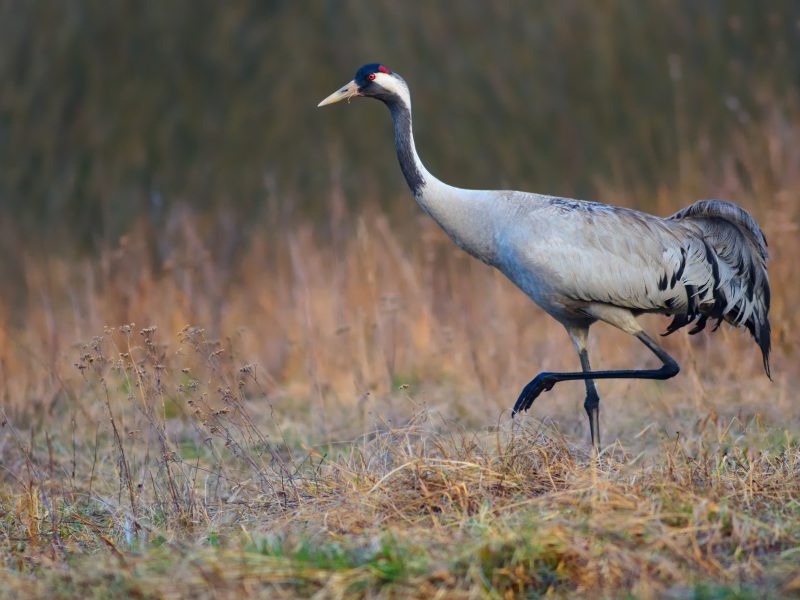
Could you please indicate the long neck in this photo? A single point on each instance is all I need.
(465, 215)
(417, 176)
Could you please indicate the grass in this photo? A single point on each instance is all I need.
(150, 464)
(415, 510)
(325, 413)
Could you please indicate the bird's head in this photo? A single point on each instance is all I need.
(373, 81)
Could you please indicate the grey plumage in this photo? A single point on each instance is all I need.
(737, 253)
(585, 261)
(706, 261)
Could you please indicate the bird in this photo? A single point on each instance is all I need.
(584, 262)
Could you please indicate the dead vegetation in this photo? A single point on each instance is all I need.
(325, 413)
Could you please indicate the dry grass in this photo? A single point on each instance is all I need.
(335, 423)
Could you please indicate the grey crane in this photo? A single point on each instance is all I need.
(584, 261)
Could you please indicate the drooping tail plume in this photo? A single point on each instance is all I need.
(738, 256)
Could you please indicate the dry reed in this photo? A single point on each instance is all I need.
(326, 413)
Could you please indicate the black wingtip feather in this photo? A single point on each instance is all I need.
(764, 343)
(678, 321)
(762, 335)
(701, 324)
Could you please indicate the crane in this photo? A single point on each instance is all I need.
(584, 262)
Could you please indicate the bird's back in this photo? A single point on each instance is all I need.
(580, 251)
(707, 261)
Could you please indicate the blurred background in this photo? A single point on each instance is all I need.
(165, 163)
(112, 110)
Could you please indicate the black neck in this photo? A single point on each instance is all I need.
(401, 116)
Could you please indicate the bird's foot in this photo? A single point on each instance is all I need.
(543, 382)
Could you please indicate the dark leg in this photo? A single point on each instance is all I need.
(592, 402)
(545, 381)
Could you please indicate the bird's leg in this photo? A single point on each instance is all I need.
(545, 381)
(592, 402)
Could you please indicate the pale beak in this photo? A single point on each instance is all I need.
(348, 91)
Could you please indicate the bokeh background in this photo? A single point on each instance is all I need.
(113, 110)
(166, 162)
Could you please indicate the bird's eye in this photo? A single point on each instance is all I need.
(371, 76)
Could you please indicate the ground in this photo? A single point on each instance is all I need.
(331, 419)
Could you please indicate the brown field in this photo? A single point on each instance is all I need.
(325, 412)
